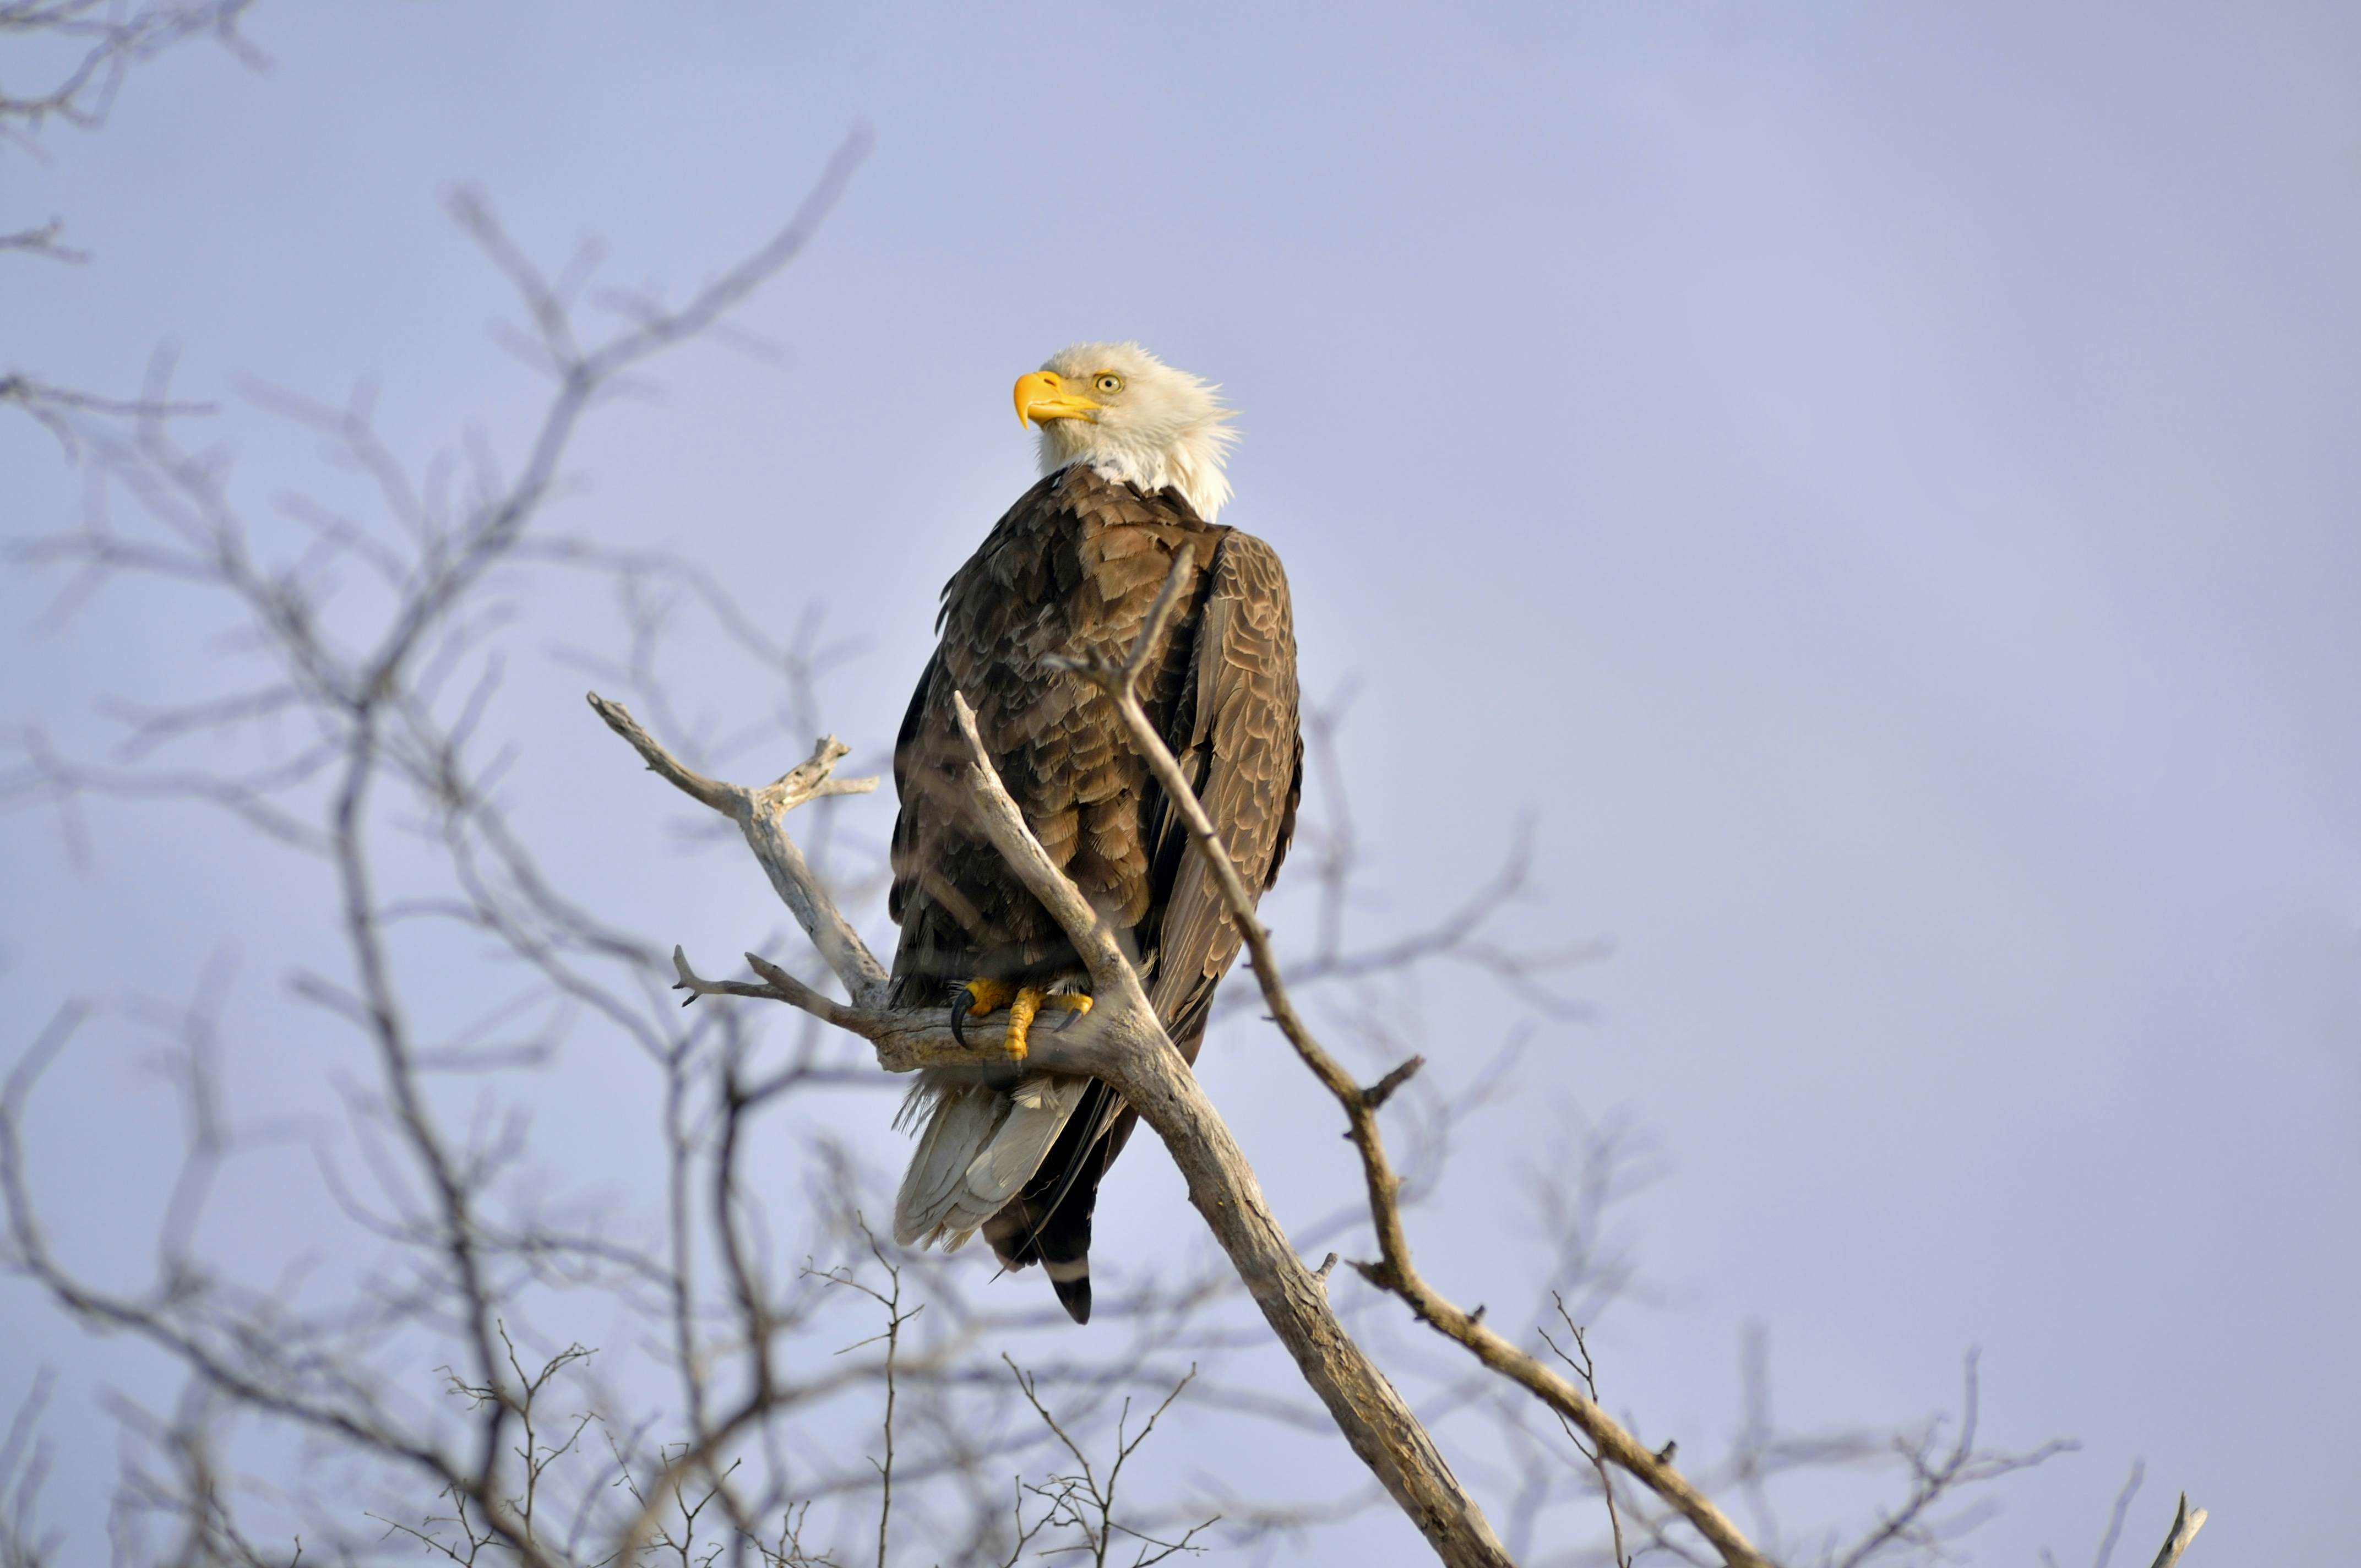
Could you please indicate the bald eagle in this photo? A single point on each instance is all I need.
(1131, 459)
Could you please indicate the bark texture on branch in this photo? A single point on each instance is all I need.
(2186, 1522)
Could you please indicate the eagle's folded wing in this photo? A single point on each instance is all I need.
(1238, 743)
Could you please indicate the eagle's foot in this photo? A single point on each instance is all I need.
(1024, 1003)
(1029, 1002)
(989, 995)
(983, 995)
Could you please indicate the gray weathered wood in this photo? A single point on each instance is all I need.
(761, 816)
(2186, 1522)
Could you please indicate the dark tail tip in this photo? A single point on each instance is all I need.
(1074, 1295)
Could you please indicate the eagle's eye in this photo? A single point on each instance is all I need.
(1109, 383)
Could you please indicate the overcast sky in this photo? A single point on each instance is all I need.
(1879, 481)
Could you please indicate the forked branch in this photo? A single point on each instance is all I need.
(760, 814)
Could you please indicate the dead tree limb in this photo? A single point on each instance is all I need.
(2186, 1522)
(112, 39)
(760, 814)
(1121, 1042)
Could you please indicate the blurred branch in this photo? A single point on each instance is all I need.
(372, 708)
(97, 42)
(55, 408)
(1938, 1471)
(110, 38)
(43, 241)
(23, 1467)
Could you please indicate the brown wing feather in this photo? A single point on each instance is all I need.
(1072, 568)
(1236, 735)
(1243, 751)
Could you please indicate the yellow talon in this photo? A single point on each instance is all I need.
(986, 995)
(1020, 1020)
(1024, 1005)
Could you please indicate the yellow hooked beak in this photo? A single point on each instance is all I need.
(1042, 396)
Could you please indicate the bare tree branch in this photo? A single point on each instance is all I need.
(1936, 1472)
(2186, 1522)
(98, 41)
(55, 406)
(758, 813)
(43, 241)
(110, 40)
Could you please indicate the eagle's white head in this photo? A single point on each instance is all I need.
(1130, 416)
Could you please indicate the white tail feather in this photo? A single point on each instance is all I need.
(981, 1146)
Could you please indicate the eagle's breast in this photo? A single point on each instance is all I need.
(1072, 570)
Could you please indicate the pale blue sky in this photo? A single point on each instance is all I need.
(1879, 480)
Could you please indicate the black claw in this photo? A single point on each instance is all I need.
(960, 1006)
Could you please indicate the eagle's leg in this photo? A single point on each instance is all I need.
(1024, 1003)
